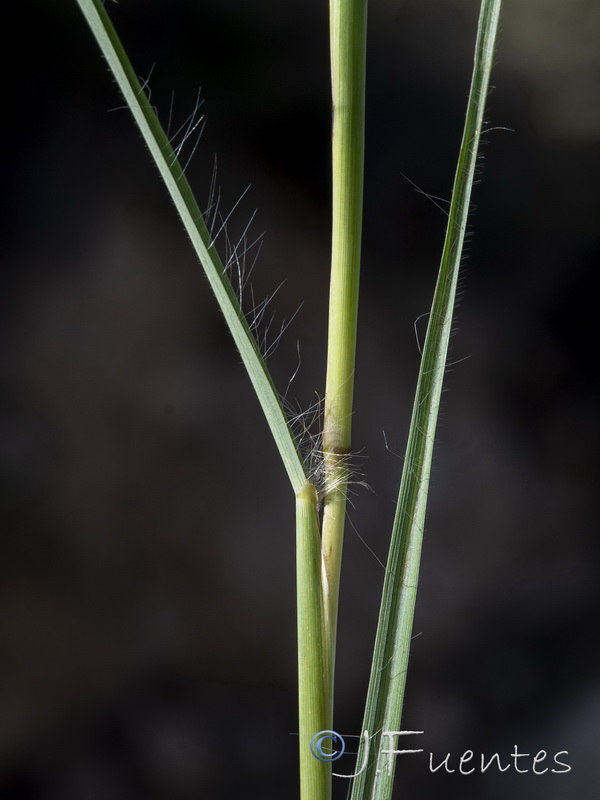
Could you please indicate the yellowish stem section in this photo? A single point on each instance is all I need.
(348, 53)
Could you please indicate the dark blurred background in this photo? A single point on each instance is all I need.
(147, 622)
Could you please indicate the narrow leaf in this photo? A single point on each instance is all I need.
(173, 175)
(392, 645)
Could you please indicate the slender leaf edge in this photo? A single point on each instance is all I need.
(180, 191)
(385, 694)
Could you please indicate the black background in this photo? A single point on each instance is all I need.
(147, 537)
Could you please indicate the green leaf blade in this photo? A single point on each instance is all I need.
(392, 646)
(181, 193)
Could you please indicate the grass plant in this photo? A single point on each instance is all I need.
(321, 510)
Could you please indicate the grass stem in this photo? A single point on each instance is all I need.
(313, 676)
(348, 20)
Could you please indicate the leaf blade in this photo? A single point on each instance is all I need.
(390, 661)
(181, 193)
